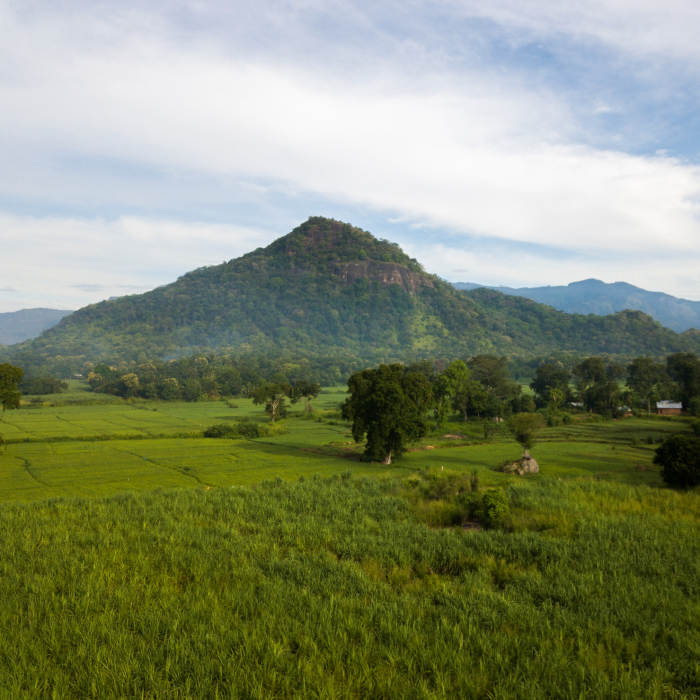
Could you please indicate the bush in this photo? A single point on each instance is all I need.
(44, 385)
(242, 429)
(493, 507)
(679, 458)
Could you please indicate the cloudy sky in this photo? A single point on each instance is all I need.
(515, 142)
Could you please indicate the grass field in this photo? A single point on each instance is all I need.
(334, 589)
(101, 449)
(141, 560)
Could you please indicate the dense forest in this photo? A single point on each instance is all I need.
(330, 289)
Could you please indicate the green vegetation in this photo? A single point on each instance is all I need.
(328, 289)
(269, 561)
(337, 589)
(679, 458)
(10, 377)
(135, 445)
(387, 407)
(525, 427)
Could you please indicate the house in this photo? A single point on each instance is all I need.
(668, 408)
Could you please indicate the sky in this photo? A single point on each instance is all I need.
(509, 142)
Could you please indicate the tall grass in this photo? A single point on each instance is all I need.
(334, 589)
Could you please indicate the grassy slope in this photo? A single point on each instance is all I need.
(334, 590)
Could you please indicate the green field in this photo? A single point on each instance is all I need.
(142, 560)
(102, 449)
(335, 589)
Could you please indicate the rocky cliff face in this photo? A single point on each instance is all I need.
(383, 272)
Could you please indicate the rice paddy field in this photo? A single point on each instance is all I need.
(139, 559)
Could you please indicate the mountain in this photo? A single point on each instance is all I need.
(330, 288)
(16, 326)
(595, 297)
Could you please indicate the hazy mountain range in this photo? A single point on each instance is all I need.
(16, 326)
(329, 288)
(595, 297)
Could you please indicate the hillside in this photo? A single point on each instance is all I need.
(331, 288)
(17, 326)
(595, 297)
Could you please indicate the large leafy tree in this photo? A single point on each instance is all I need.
(589, 373)
(679, 457)
(466, 393)
(684, 369)
(10, 377)
(274, 396)
(441, 388)
(307, 390)
(647, 379)
(491, 371)
(598, 385)
(387, 405)
(551, 383)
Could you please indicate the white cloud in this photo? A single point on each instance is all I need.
(465, 149)
(69, 263)
(638, 27)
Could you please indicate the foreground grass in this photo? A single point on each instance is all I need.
(334, 589)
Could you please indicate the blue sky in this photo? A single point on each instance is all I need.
(512, 142)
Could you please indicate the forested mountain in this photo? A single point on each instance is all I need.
(595, 297)
(16, 326)
(330, 288)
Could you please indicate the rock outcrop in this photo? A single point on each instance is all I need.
(384, 272)
(525, 465)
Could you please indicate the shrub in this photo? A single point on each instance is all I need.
(679, 458)
(242, 429)
(493, 507)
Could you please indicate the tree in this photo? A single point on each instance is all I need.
(273, 396)
(44, 384)
(466, 393)
(387, 406)
(549, 376)
(492, 373)
(589, 373)
(684, 369)
(597, 385)
(170, 389)
(648, 379)
(307, 390)
(441, 398)
(10, 377)
(131, 384)
(679, 457)
(524, 427)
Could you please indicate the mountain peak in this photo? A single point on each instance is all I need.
(322, 241)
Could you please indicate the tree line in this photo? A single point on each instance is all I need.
(598, 387)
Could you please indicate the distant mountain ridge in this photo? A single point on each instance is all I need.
(17, 326)
(331, 289)
(593, 296)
